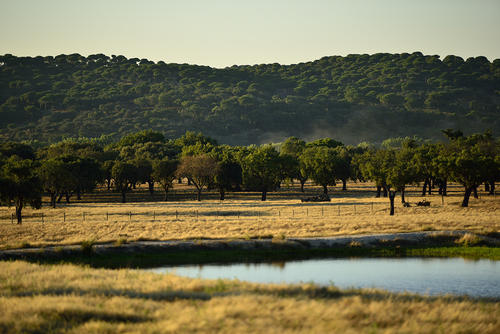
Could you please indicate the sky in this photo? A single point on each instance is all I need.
(222, 33)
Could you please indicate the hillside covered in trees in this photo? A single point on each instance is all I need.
(353, 98)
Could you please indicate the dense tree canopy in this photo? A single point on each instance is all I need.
(49, 98)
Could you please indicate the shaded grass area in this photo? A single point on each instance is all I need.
(67, 298)
(153, 258)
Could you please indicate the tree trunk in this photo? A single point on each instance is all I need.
(198, 196)
(19, 209)
(78, 194)
(109, 184)
(166, 194)
(264, 195)
(403, 194)
(179, 180)
(445, 187)
(492, 188)
(189, 181)
(468, 191)
(424, 188)
(60, 197)
(379, 189)
(222, 194)
(67, 197)
(344, 184)
(487, 186)
(325, 190)
(429, 184)
(124, 199)
(53, 198)
(302, 182)
(475, 192)
(151, 185)
(385, 191)
(392, 194)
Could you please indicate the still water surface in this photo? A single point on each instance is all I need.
(478, 278)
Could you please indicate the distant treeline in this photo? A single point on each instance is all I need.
(75, 167)
(353, 98)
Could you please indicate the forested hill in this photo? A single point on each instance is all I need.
(352, 99)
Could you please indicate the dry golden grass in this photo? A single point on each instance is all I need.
(68, 298)
(242, 215)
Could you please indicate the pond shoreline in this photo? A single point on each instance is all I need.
(142, 253)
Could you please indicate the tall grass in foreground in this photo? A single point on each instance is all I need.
(36, 298)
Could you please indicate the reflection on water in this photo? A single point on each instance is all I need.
(431, 276)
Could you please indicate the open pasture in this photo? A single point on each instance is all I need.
(100, 217)
(40, 298)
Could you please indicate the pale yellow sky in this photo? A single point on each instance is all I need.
(221, 33)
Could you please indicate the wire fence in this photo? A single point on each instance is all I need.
(218, 213)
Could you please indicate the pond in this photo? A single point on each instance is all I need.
(431, 276)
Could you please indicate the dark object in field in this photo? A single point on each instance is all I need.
(319, 198)
(406, 204)
(424, 203)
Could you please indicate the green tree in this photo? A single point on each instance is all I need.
(20, 185)
(56, 178)
(262, 170)
(164, 172)
(291, 151)
(144, 168)
(319, 162)
(468, 160)
(199, 169)
(125, 175)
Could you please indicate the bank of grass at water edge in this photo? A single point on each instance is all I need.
(38, 298)
(154, 258)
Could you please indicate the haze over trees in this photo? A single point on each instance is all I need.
(392, 95)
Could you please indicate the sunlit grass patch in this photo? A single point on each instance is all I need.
(243, 216)
(46, 298)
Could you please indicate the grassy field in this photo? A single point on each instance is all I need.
(68, 298)
(101, 218)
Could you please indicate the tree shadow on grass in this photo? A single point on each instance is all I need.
(170, 295)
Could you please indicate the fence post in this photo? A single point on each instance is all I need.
(154, 215)
(372, 207)
(64, 216)
(307, 212)
(107, 216)
(42, 218)
(339, 209)
(12, 218)
(130, 216)
(176, 213)
(83, 216)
